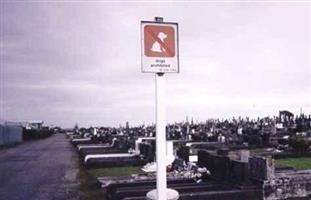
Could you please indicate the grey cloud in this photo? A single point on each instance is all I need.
(67, 62)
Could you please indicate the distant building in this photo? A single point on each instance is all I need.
(285, 115)
(36, 125)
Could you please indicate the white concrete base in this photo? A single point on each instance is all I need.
(170, 194)
(81, 139)
(93, 146)
(113, 155)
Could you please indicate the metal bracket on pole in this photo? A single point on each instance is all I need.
(158, 19)
(160, 74)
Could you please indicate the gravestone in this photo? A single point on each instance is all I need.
(244, 155)
(261, 168)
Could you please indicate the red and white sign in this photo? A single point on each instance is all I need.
(159, 47)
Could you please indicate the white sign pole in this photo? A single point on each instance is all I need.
(160, 55)
(160, 136)
(160, 132)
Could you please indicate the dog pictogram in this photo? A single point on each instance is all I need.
(156, 46)
(159, 41)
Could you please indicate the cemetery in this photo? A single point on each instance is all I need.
(155, 100)
(203, 162)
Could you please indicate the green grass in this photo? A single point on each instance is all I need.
(88, 181)
(297, 163)
(88, 186)
(116, 171)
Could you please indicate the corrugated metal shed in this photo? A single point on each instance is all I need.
(10, 134)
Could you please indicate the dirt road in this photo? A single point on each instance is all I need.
(42, 169)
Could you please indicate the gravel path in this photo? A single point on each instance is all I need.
(42, 169)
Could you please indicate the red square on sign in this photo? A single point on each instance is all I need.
(159, 41)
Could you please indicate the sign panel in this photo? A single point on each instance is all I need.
(159, 47)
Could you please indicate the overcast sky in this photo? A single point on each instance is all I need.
(74, 61)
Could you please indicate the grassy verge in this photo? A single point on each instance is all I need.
(88, 184)
(116, 171)
(297, 163)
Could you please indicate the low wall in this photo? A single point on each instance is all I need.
(33, 134)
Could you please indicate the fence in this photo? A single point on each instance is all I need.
(10, 134)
